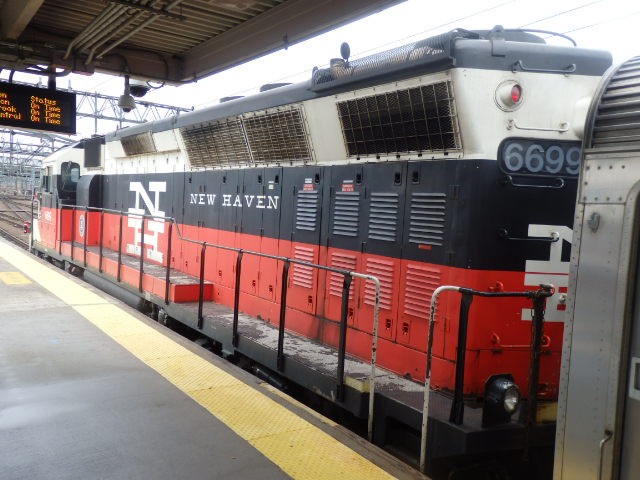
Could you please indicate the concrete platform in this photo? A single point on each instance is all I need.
(90, 388)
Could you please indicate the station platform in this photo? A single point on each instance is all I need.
(90, 388)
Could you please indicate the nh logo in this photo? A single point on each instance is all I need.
(553, 271)
(153, 228)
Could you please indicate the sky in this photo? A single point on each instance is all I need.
(611, 25)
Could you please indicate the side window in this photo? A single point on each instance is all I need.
(69, 176)
(45, 180)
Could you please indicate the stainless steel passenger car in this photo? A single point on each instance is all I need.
(598, 431)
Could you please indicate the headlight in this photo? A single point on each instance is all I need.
(501, 400)
(511, 399)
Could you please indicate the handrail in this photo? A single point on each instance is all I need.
(457, 407)
(73, 230)
(58, 202)
(167, 286)
(283, 310)
(347, 275)
(86, 234)
(236, 300)
(224, 247)
(119, 275)
(141, 274)
(201, 291)
(101, 241)
(61, 231)
(374, 350)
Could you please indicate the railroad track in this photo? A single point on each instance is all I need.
(14, 212)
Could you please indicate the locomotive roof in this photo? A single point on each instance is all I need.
(496, 49)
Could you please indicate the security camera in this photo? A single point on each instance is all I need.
(139, 88)
(126, 103)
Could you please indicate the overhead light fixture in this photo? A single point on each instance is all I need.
(126, 101)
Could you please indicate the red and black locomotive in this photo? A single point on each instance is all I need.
(450, 161)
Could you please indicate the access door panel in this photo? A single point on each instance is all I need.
(426, 248)
(251, 203)
(302, 192)
(230, 188)
(271, 206)
(345, 238)
(382, 252)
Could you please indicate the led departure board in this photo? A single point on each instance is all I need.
(23, 106)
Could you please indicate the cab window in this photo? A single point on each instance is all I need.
(69, 176)
(45, 180)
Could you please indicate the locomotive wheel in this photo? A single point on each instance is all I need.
(164, 318)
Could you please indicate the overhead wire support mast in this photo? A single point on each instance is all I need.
(22, 151)
(105, 107)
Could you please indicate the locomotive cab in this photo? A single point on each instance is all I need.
(67, 180)
(59, 182)
(61, 174)
(63, 184)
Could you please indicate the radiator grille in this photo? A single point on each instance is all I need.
(261, 137)
(345, 214)
(383, 216)
(307, 210)
(384, 271)
(421, 119)
(420, 284)
(216, 144)
(302, 274)
(427, 218)
(138, 144)
(278, 137)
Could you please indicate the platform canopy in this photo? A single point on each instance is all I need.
(162, 40)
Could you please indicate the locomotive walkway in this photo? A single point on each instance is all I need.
(93, 389)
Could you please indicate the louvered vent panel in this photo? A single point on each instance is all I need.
(336, 280)
(617, 121)
(307, 210)
(346, 213)
(420, 284)
(384, 271)
(216, 144)
(303, 275)
(427, 218)
(138, 144)
(420, 119)
(383, 216)
(278, 136)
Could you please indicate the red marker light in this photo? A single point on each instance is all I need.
(516, 93)
(508, 95)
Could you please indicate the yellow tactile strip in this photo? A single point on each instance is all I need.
(299, 448)
(14, 278)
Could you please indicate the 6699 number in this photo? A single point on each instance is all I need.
(540, 157)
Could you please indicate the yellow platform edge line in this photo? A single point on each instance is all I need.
(299, 448)
(14, 278)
